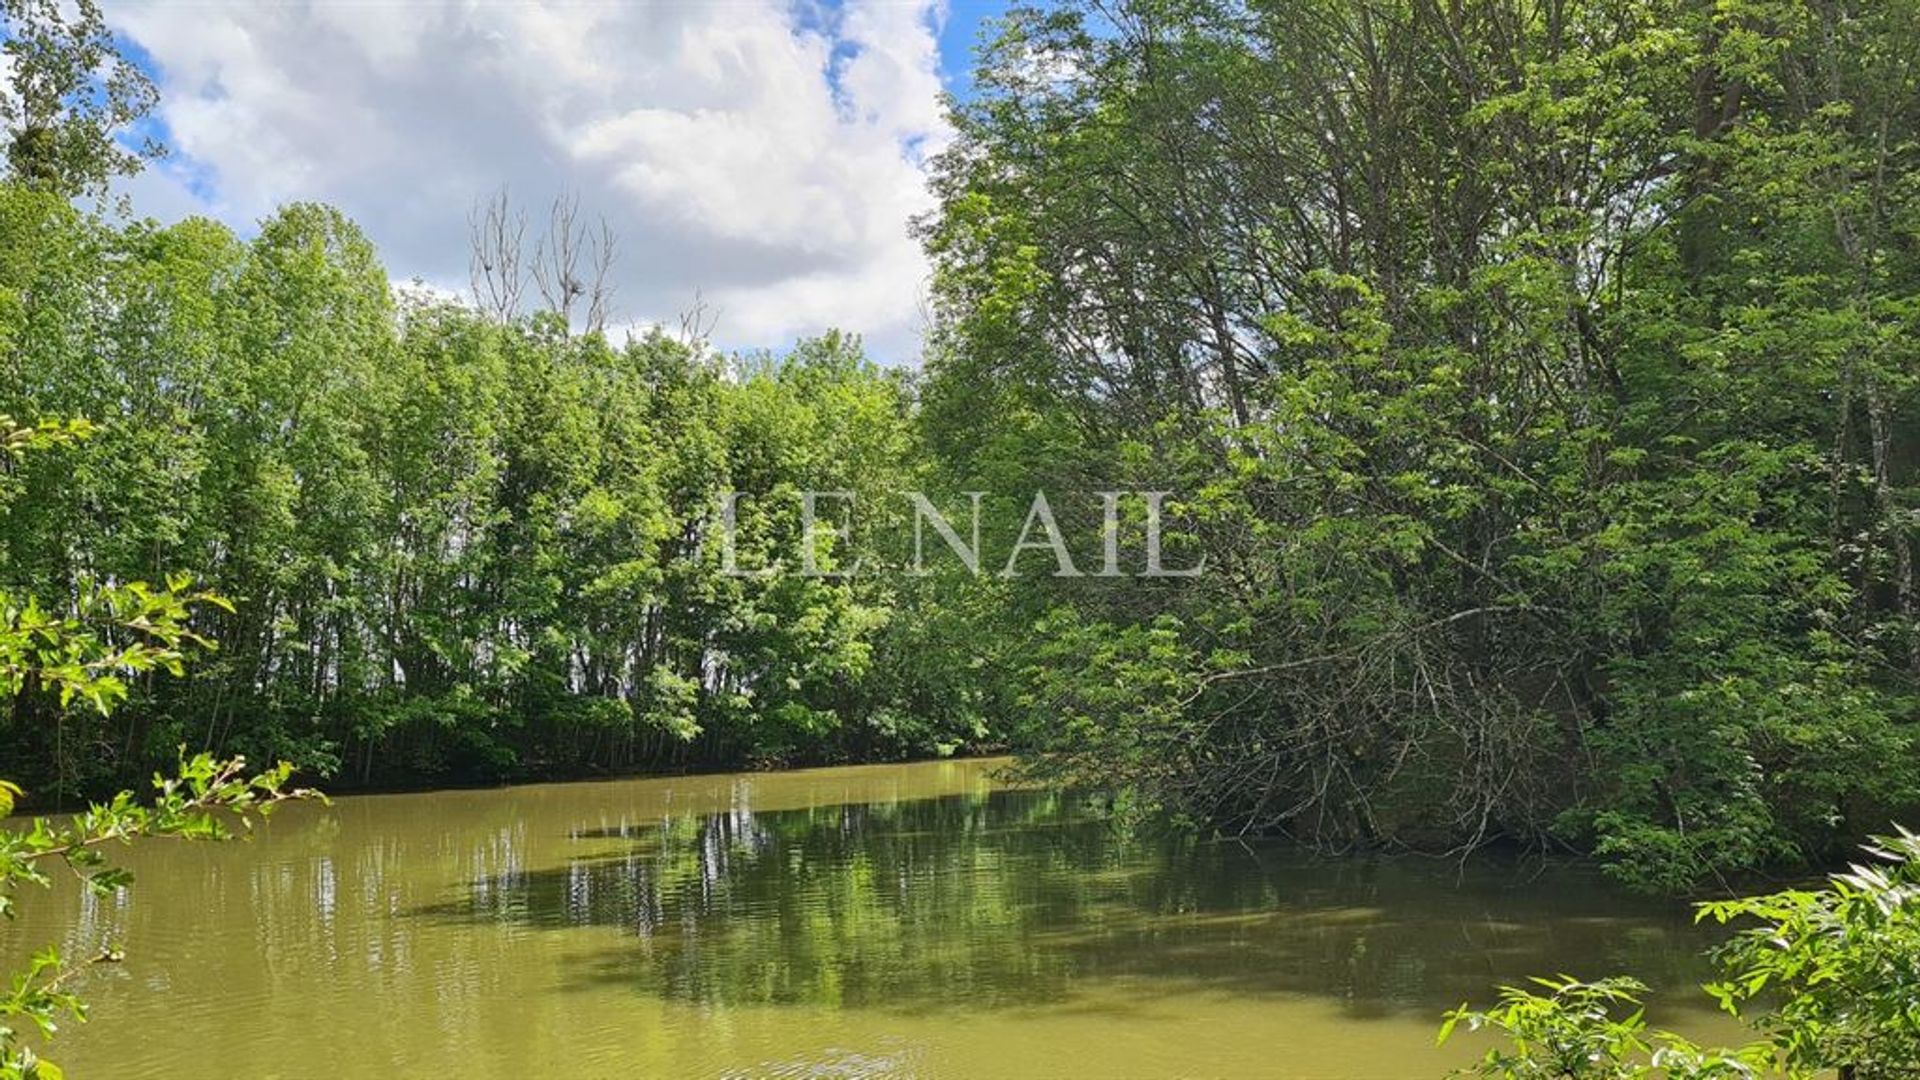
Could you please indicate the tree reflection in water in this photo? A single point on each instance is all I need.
(1016, 898)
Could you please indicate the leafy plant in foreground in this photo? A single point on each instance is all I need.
(1577, 1031)
(1830, 978)
(83, 655)
(195, 804)
(1836, 971)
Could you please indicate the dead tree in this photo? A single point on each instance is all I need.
(496, 235)
(558, 269)
(570, 263)
(698, 321)
(600, 287)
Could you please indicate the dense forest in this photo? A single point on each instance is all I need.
(458, 548)
(1538, 379)
(1533, 385)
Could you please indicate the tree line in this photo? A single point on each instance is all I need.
(1534, 380)
(458, 547)
(1537, 377)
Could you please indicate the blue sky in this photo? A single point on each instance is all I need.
(958, 36)
(762, 155)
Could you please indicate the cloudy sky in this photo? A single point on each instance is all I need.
(764, 154)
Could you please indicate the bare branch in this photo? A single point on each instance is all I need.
(496, 234)
(697, 322)
(601, 254)
(556, 259)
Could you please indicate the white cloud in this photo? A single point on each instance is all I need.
(765, 155)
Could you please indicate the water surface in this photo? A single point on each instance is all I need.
(898, 921)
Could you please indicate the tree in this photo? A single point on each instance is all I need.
(115, 631)
(467, 545)
(71, 99)
(1517, 367)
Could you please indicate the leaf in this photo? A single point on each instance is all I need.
(1446, 1028)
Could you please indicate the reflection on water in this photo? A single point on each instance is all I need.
(990, 899)
(880, 921)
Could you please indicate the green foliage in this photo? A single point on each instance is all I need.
(1591, 1031)
(198, 802)
(1538, 380)
(459, 550)
(111, 632)
(1832, 976)
(1535, 382)
(70, 655)
(115, 632)
(69, 97)
(1828, 977)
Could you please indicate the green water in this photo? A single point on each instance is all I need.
(910, 921)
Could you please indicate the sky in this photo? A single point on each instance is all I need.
(764, 156)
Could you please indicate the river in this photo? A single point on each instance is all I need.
(916, 920)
